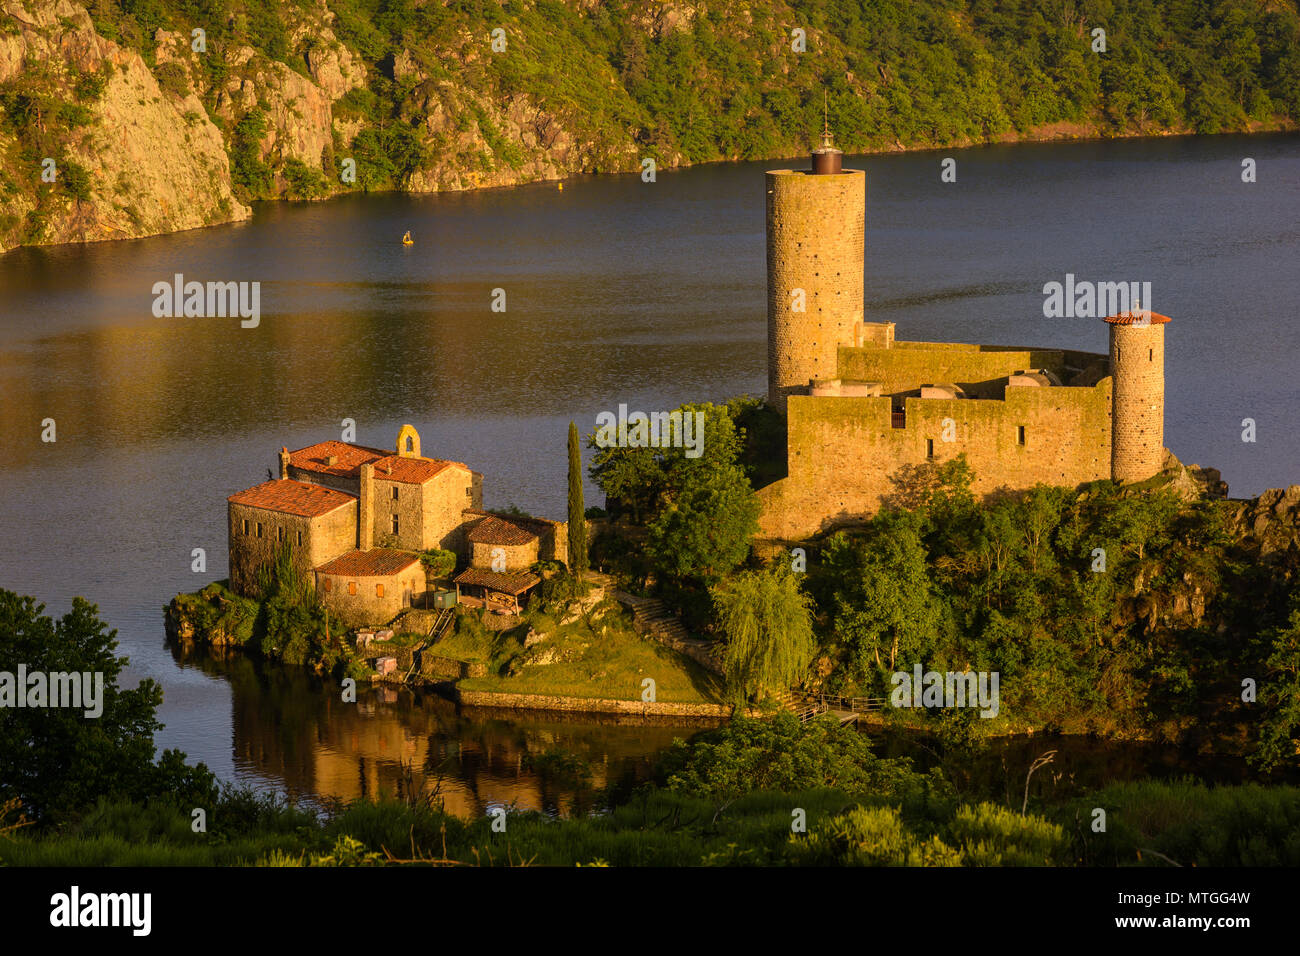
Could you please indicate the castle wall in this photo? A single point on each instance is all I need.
(323, 538)
(845, 457)
(907, 365)
(815, 234)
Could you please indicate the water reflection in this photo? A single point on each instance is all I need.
(292, 733)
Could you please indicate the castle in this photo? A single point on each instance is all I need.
(862, 410)
(354, 519)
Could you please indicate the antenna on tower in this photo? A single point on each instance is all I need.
(826, 125)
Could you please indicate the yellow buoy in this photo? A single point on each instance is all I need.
(561, 187)
(407, 240)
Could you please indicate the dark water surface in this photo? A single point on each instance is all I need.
(617, 291)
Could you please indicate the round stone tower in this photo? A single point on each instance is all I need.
(815, 225)
(1137, 367)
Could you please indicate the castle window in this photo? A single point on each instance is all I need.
(929, 448)
(279, 534)
(327, 584)
(1020, 434)
(352, 587)
(394, 524)
(300, 539)
(1151, 355)
(394, 492)
(245, 526)
(379, 590)
(259, 529)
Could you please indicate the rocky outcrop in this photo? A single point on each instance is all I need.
(1269, 523)
(131, 160)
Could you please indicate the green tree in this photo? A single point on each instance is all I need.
(58, 760)
(885, 608)
(577, 511)
(767, 620)
(1279, 732)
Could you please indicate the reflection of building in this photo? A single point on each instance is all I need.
(351, 520)
(863, 412)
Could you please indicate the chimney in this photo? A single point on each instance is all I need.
(284, 463)
(366, 508)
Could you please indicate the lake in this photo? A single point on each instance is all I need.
(617, 291)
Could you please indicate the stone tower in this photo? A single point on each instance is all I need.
(815, 226)
(1137, 366)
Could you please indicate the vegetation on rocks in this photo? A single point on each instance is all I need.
(415, 95)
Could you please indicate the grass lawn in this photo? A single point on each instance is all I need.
(610, 663)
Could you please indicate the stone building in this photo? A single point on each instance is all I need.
(864, 411)
(353, 520)
(316, 524)
(370, 587)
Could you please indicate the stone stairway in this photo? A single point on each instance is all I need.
(652, 618)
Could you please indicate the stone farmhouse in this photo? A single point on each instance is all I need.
(862, 410)
(355, 519)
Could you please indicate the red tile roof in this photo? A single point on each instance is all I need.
(350, 458)
(496, 581)
(375, 563)
(1137, 318)
(291, 497)
(497, 530)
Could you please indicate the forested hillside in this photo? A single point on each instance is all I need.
(154, 127)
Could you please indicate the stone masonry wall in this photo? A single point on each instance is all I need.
(1137, 354)
(815, 235)
(355, 600)
(446, 496)
(409, 508)
(323, 538)
(843, 452)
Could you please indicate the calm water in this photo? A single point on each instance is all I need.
(617, 291)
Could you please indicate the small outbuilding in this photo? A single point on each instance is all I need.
(503, 593)
(370, 587)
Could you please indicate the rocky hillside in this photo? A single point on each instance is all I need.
(135, 117)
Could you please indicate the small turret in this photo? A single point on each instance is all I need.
(1137, 367)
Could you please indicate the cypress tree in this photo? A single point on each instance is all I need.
(577, 519)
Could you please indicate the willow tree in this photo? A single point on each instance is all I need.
(767, 620)
(577, 513)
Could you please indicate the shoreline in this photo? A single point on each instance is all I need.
(1049, 133)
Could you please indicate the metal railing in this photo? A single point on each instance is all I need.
(854, 705)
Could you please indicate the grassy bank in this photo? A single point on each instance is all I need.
(1149, 824)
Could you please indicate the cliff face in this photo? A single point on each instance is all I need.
(128, 159)
(173, 114)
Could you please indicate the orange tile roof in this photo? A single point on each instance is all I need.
(291, 497)
(497, 581)
(377, 562)
(497, 530)
(1137, 318)
(350, 458)
(414, 471)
